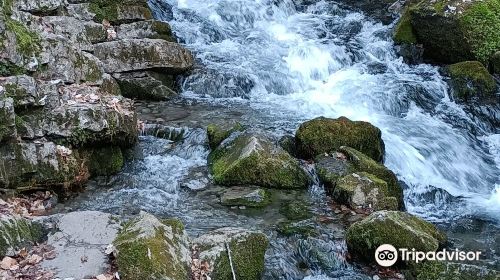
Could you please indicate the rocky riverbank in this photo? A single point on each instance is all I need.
(72, 74)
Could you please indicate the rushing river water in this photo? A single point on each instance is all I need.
(277, 63)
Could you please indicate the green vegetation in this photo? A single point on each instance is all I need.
(403, 32)
(471, 79)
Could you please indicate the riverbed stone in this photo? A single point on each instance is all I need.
(400, 229)
(17, 233)
(23, 90)
(447, 270)
(147, 248)
(146, 85)
(142, 54)
(150, 29)
(252, 159)
(471, 81)
(295, 210)
(78, 236)
(452, 31)
(324, 135)
(39, 6)
(247, 196)
(365, 191)
(247, 250)
(218, 133)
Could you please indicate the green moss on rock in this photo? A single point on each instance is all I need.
(150, 249)
(471, 80)
(253, 160)
(495, 63)
(443, 270)
(117, 12)
(27, 42)
(364, 190)
(247, 249)
(217, 134)
(400, 229)
(403, 32)
(16, 233)
(453, 31)
(289, 229)
(295, 210)
(324, 135)
(105, 161)
(246, 196)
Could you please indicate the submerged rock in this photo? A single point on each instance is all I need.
(324, 135)
(452, 31)
(471, 81)
(245, 196)
(17, 233)
(247, 250)
(104, 161)
(400, 229)
(77, 236)
(251, 159)
(143, 54)
(146, 85)
(147, 248)
(295, 210)
(379, 10)
(364, 190)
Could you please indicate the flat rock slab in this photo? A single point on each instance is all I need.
(142, 54)
(80, 241)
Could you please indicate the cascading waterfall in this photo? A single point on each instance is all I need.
(273, 64)
(323, 60)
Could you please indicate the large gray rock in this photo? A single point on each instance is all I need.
(120, 12)
(79, 11)
(82, 115)
(17, 233)
(247, 250)
(151, 29)
(81, 34)
(146, 85)
(142, 54)
(62, 61)
(23, 90)
(80, 240)
(27, 165)
(7, 119)
(39, 6)
(148, 248)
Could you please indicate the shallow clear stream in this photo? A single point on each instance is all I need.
(272, 64)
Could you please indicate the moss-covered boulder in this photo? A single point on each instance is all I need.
(346, 161)
(17, 233)
(105, 161)
(295, 210)
(452, 31)
(495, 63)
(324, 135)
(247, 196)
(444, 270)
(147, 248)
(471, 81)
(216, 134)
(400, 229)
(251, 159)
(246, 249)
(296, 228)
(7, 119)
(366, 191)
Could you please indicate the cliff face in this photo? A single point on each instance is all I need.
(64, 66)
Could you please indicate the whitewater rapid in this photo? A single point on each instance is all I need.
(320, 60)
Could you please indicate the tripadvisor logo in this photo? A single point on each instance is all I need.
(387, 255)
